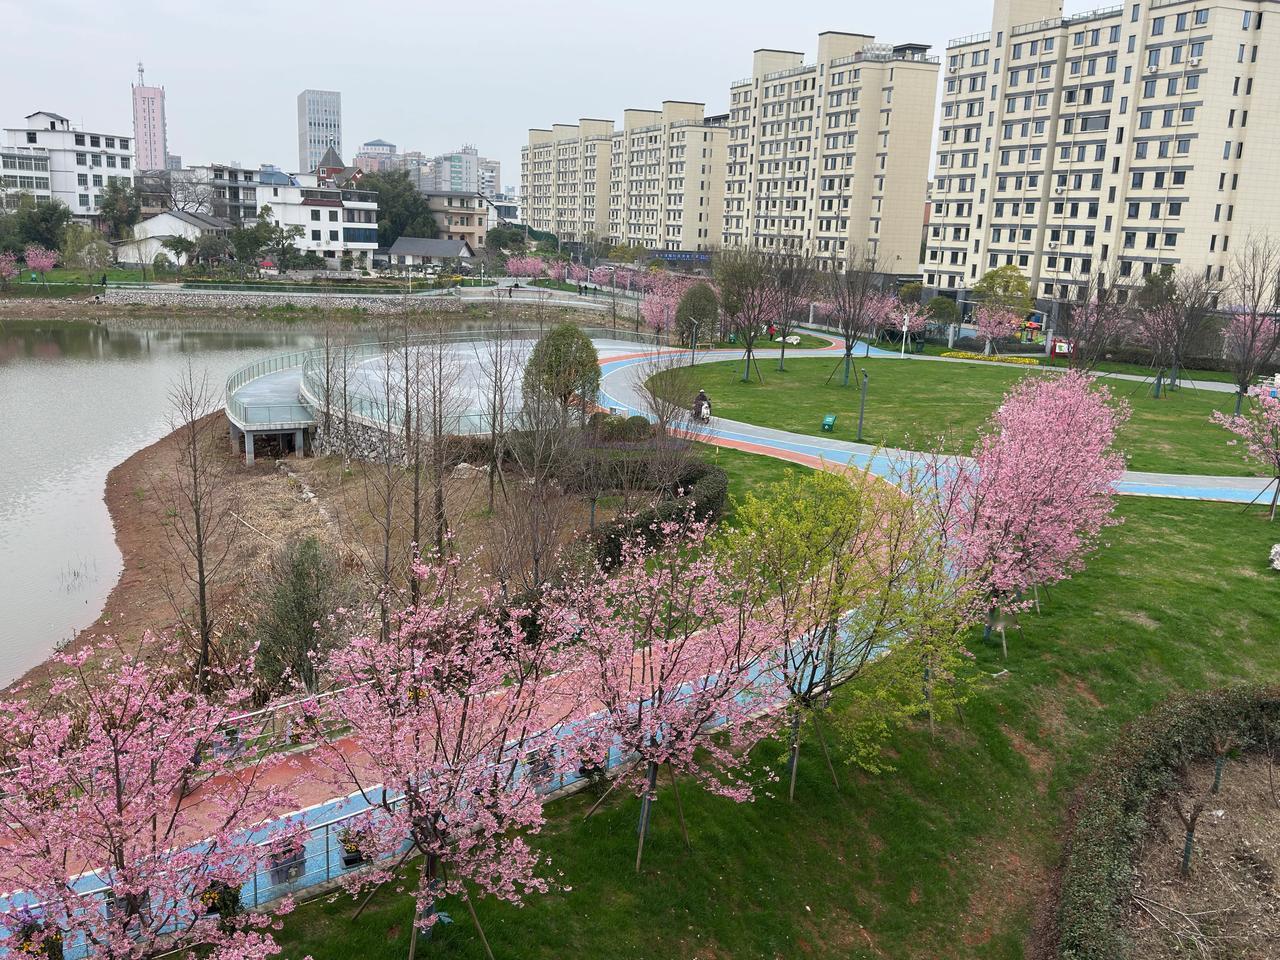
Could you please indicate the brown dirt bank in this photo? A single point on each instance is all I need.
(304, 319)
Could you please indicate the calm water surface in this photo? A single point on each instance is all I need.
(75, 400)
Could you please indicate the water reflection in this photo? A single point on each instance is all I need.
(75, 400)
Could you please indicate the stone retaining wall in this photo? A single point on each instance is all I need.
(242, 299)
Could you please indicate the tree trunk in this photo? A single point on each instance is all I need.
(848, 363)
(794, 762)
(1275, 497)
(646, 809)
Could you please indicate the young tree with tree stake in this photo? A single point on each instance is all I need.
(1259, 429)
(1252, 338)
(1174, 312)
(443, 715)
(748, 298)
(121, 774)
(41, 261)
(796, 276)
(1097, 324)
(681, 658)
(995, 324)
(1039, 490)
(857, 303)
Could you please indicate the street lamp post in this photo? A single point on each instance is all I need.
(693, 343)
(905, 321)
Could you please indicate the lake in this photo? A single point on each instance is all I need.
(75, 400)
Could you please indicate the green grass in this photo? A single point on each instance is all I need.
(909, 404)
(947, 856)
(1106, 366)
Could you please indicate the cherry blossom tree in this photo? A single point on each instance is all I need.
(126, 821)
(896, 315)
(557, 269)
(1040, 488)
(748, 297)
(681, 659)
(995, 323)
(661, 300)
(444, 714)
(604, 276)
(578, 273)
(1249, 342)
(1259, 429)
(8, 268)
(40, 260)
(525, 266)
(796, 277)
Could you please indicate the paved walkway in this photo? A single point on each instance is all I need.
(620, 387)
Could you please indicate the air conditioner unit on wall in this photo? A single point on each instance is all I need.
(1153, 69)
(1193, 62)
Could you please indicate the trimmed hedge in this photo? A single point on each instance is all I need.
(701, 488)
(1110, 816)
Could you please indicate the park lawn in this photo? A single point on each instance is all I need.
(949, 854)
(74, 275)
(911, 403)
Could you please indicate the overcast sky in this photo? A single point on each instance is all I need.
(429, 76)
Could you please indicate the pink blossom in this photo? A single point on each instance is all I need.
(556, 270)
(525, 266)
(1259, 428)
(578, 273)
(1040, 488)
(39, 259)
(127, 776)
(8, 267)
(996, 323)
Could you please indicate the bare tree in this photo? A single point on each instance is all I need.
(748, 297)
(1098, 323)
(1253, 333)
(854, 291)
(536, 510)
(439, 402)
(500, 361)
(200, 510)
(796, 278)
(1174, 313)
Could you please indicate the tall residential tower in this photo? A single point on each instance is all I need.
(319, 126)
(1106, 144)
(150, 136)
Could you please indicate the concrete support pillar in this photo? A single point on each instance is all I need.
(234, 434)
(248, 447)
(299, 442)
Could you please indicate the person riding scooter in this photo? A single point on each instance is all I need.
(702, 407)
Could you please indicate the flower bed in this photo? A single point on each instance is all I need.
(992, 358)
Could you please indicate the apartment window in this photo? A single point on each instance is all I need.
(1181, 22)
(110, 143)
(82, 179)
(1153, 58)
(1148, 88)
(1135, 180)
(82, 159)
(97, 179)
(124, 144)
(1179, 177)
(1202, 17)
(1247, 21)
(1144, 120)
(315, 235)
(1184, 146)
(95, 141)
(1134, 14)
(1192, 82)
(315, 215)
(1157, 26)
(1175, 208)
(79, 139)
(1197, 49)
(84, 199)
(1188, 114)
(333, 234)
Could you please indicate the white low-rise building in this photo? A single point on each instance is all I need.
(149, 236)
(51, 160)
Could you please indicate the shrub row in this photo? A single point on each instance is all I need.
(701, 488)
(1110, 816)
(992, 358)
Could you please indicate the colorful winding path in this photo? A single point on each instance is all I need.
(621, 389)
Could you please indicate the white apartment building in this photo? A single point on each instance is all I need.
(490, 174)
(52, 160)
(831, 157)
(150, 131)
(1107, 143)
(335, 221)
(658, 182)
(319, 126)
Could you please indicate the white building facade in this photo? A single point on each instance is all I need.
(335, 221)
(52, 160)
(1106, 144)
(319, 126)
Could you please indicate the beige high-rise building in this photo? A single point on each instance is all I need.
(1108, 143)
(658, 182)
(831, 157)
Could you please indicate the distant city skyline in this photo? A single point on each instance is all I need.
(459, 94)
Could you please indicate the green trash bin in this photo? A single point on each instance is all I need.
(733, 337)
(829, 423)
